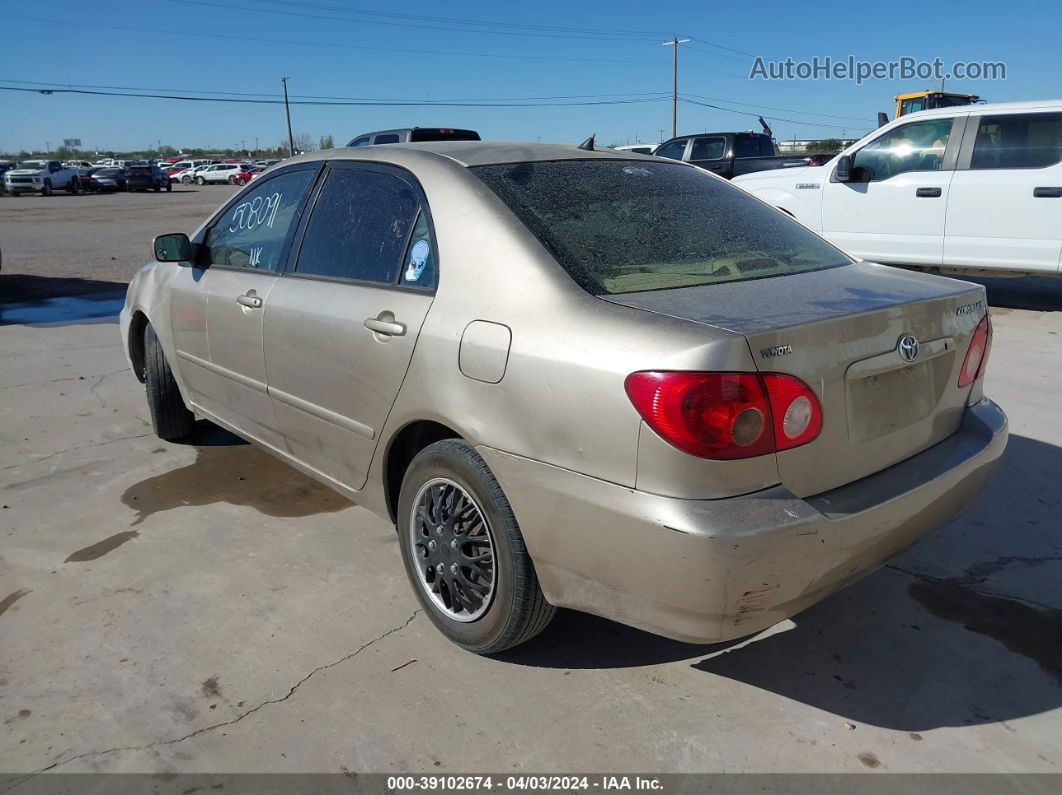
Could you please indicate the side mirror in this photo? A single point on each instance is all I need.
(843, 171)
(173, 248)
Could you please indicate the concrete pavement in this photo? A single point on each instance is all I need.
(203, 607)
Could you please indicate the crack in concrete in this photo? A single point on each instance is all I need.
(237, 719)
(66, 378)
(73, 449)
(969, 581)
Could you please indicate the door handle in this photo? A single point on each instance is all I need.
(1047, 193)
(928, 193)
(387, 327)
(250, 301)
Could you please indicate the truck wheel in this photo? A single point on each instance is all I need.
(169, 417)
(74, 186)
(47, 189)
(464, 554)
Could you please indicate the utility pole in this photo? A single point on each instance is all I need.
(256, 144)
(287, 112)
(675, 42)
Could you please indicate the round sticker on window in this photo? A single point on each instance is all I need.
(418, 260)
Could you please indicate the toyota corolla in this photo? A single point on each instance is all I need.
(575, 378)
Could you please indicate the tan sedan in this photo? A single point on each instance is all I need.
(574, 378)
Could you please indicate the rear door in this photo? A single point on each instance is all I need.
(221, 301)
(710, 152)
(341, 325)
(1005, 204)
(894, 207)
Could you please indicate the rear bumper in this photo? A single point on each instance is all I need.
(712, 570)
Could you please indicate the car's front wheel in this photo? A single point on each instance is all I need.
(169, 416)
(200, 181)
(464, 553)
(46, 189)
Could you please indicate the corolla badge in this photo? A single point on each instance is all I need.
(907, 346)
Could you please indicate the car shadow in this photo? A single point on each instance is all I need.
(965, 628)
(1036, 293)
(228, 469)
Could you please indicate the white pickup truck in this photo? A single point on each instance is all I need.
(971, 189)
(41, 176)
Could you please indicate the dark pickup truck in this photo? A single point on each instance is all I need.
(729, 154)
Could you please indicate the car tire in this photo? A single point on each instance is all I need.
(512, 609)
(186, 180)
(170, 418)
(200, 181)
(46, 189)
(169, 186)
(74, 186)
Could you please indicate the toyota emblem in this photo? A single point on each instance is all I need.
(907, 346)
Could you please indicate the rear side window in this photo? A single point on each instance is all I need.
(746, 146)
(363, 141)
(390, 138)
(253, 233)
(1028, 140)
(621, 226)
(360, 227)
(708, 148)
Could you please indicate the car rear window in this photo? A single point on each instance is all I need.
(139, 171)
(443, 134)
(621, 226)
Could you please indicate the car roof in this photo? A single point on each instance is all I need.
(467, 153)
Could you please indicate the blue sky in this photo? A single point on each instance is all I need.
(327, 51)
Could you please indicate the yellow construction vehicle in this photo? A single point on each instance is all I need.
(931, 100)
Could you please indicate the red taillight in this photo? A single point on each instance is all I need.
(977, 354)
(726, 415)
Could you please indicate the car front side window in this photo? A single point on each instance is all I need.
(673, 150)
(253, 232)
(918, 146)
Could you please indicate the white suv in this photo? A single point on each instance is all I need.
(219, 172)
(976, 188)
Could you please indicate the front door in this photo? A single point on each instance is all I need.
(340, 329)
(242, 252)
(893, 208)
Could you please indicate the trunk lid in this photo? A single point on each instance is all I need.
(838, 330)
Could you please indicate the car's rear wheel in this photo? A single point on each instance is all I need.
(169, 186)
(169, 416)
(46, 189)
(464, 554)
(74, 186)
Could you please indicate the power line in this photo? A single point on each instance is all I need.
(465, 21)
(332, 103)
(772, 118)
(785, 110)
(424, 26)
(39, 83)
(317, 44)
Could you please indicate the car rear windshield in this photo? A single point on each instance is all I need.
(443, 135)
(139, 171)
(619, 226)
